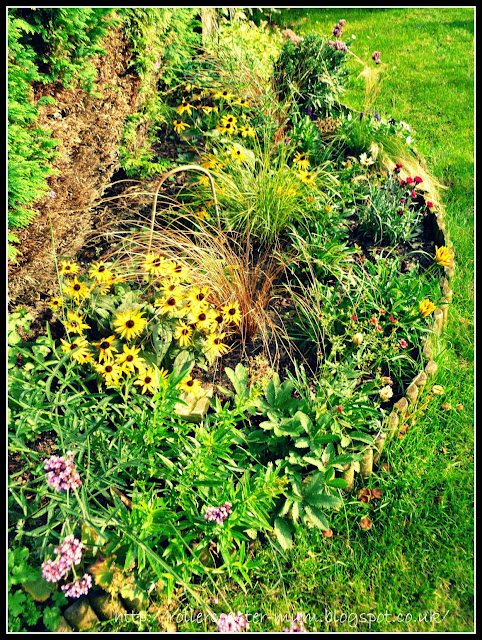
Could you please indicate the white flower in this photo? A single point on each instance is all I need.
(366, 161)
(358, 338)
(386, 393)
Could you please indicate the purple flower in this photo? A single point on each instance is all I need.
(338, 45)
(62, 473)
(69, 554)
(232, 622)
(376, 115)
(376, 56)
(78, 588)
(311, 113)
(218, 514)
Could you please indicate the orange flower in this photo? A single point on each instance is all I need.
(444, 256)
(426, 307)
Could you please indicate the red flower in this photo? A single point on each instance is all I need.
(339, 408)
(418, 179)
(413, 194)
(378, 327)
(392, 319)
(373, 320)
(403, 343)
(354, 318)
(409, 180)
(402, 182)
(430, 204)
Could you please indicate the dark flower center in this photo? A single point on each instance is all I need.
(104, 344)
(74, 323)
(130, 324)
(178, 269)
(202, 317)
(200, 296)
(101, 268)
(156, 262)
(147, 380)
(219, 319)
(73, 346)
(185, 332)
(217, 341)
(108, 369)
(171, 302)
(130, 358)
(190, 383)
(76, 287)
(232, 311)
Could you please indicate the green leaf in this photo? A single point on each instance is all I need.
(337, 483)
(324, 500)
(283, 533)
(39, 589)
(317, 518)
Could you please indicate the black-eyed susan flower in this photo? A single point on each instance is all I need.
(197, 296)
(229, 118)
(210, 162)
(301, 161)
(55, 303)
(306, 176)
(217, 321)
(110, 372)
(68, 268)
(443, 256)
(100, 272)
(183, 334)
(106, 349)
(202, 214)
(129, 360)
(76, 289)
(223, 94)
(208, 110)
(78, 349)
(75, 323)
(179, 126)
(231, 312)
(154, 264)
(184, 107)
(178, 272)
(241, 102)
(426, 307)
(237, 153)
(204, 181)
(228, 128)
(190, 385)
(215, 346)
(202, 317)
(170, 303)
(129, 324)
(246, 131)
(150, 380)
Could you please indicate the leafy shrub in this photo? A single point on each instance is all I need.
(311, 74)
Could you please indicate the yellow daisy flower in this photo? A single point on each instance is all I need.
(444, 256)
(202, 214)
(210, 162)
(184, 106)
(76, 289)
(55, 303)
(183, 334)
(223, 94)
(75, 323)
(129, 360)
(241, 102)
(155, 264)
(231, 312)
(150, 380)
(228, 128)
(228, 119)
(426, 307)
(190, 385)
(207, 110)
(215, 346)
(246, 131)
(100, 272)
(202, 317)
(306, 177)
(197, 296)
(130, 323)
(179, 126)
(78, 349)
(110, 372)
(301, 161)
(237, 153)
(170, 303)
(217, 321)
(69, 268)
(106, 349)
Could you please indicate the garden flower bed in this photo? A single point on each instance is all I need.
(259, 324)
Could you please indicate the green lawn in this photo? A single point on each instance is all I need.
(417, 560)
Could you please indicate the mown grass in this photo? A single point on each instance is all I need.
(417, 560)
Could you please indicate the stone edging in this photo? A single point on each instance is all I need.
(400, 408)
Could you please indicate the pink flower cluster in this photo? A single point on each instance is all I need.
(232, 622)
(62, 473)
(338, 45)
(376, 57)
(78, 588)
(296, 625)
(338, 28)
(218, 514)
(69, 553)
